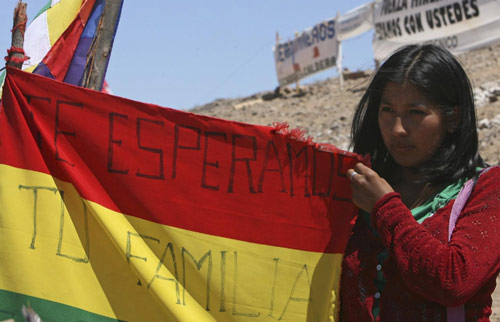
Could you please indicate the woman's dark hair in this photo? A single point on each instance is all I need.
(438, 75)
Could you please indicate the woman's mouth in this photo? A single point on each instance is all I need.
(401, 147)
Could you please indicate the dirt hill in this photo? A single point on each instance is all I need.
(325, 111)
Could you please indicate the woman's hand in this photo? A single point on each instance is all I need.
(367, 186)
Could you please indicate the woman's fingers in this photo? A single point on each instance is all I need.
(361, 168)
(351, 173)
(358, 172)
(367, 186)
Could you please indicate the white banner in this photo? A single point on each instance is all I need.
(458, 25)
(356, 21)
(311, 51)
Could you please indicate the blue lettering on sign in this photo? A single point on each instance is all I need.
(319, 33)
(322, 32)
(331, 29)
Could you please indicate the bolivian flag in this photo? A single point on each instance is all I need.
(111, 209)
(59, 39)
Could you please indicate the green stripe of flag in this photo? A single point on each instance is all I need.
(11, 305)
(44, 8)
(2, 79)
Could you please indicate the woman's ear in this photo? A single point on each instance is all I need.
(453, 120)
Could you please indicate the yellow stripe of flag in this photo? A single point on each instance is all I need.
(49, 235)
(60, 16)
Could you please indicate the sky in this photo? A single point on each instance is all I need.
(181, 54)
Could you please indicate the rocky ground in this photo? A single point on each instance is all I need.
(325, 111)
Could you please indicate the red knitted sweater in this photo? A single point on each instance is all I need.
(424, 272)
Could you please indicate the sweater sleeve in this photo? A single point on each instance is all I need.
(446, 273)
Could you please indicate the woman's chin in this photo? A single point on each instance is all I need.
(406, 161)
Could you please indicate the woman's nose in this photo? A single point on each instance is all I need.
(398, 127)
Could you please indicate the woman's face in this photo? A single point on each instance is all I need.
(412, 127)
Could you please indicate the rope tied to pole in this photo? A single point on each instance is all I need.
(16, 56)
(16, 59)
(21, 26)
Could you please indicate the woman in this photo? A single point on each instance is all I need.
(417, 122)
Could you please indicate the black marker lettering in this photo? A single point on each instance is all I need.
(304, 168)
(198, 266)
(330, 176)
(234, 159)
(57, 131)
(177, 146)
(112, 141)
(341, 172)
(128, 252)
(160, 175)
(35, 202)
(176, 275)
(250, 315)
(37, 135)
(297, 299)
(271, 307)
(215, 164)
(222, 281)
(271, 146)
(84, 259)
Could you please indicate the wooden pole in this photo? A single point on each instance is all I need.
(16, 53)
(340, 67)
(100, 50)
(297, 84)
(278, 89)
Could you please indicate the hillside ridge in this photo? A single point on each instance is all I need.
(325, 112)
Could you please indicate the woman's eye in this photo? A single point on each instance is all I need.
(386, 109)
(417, 112)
